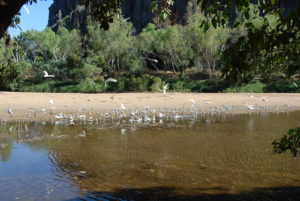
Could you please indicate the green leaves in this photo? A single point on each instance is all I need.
(162, 9)
(289, 142)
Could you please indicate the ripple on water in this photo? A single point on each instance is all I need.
(230, 157)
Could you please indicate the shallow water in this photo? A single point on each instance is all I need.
(216, 158)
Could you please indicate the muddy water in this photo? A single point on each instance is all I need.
(216, 158)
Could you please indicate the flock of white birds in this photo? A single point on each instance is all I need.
(191, 110)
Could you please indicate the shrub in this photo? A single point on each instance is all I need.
(156, 85)
(69, 89)
(90, 86)
(178, 86)
(138, 84)
(280, 87)
(257, 87)
(47, 86)
(210, 86)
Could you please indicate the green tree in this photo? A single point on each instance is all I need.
(264, 49)
(70, 42)
(207, 45)
(170, 45)
(12, 69)
(45, 44)
(114, 50)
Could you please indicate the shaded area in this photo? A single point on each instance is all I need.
(170, 194)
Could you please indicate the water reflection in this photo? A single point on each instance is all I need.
(226, 158)
(5, 149)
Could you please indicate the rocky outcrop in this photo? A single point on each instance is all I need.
(71, 11)
(137, 11)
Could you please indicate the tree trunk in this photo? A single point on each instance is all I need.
(8, 9)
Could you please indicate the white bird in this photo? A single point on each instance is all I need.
(82, 117)
(43, 110)
(295, 84)
(60, 116)
(123, 131)
(265, 100)
(250, 107)
(109, 80)
(10, 130)
(154, 60)
(193, 101)
(83, 134)
(51, 102)
(165, 88)
(123, 107)
(125, 20)
(47, 75)
(26, 9)
(82, 108)
(10, 111)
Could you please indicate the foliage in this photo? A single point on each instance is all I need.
(156, 85)
(12, 72)
(70, 42)
(90, 86)
(289, 142)
(206, 45)
(114, 50)
(178, 55)
(271, 43)
(257, 87)
(285, 86)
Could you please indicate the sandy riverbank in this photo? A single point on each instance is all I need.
(36, 106)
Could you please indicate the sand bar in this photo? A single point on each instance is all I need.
(38, 107)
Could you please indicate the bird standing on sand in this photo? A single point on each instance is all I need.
(123, 107)
(250, 107)
(47, 75)
(165, 88)
(51, 102)
(10, 111)
(193, 101)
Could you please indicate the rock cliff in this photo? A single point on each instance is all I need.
(137, 11)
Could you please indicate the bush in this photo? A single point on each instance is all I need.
(281, 87)
(90, 86)
(47, 86)
(257, 87)
(138, 84)
(179, 86)
(69, 89)
(210, 86)
(156, 85)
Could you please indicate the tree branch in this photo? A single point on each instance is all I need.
(8, 9)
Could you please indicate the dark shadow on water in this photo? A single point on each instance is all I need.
(171, 194)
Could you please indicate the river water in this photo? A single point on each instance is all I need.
(212, 158)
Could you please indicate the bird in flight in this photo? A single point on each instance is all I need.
(47, 75)
(26, 9)
(109, 80)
